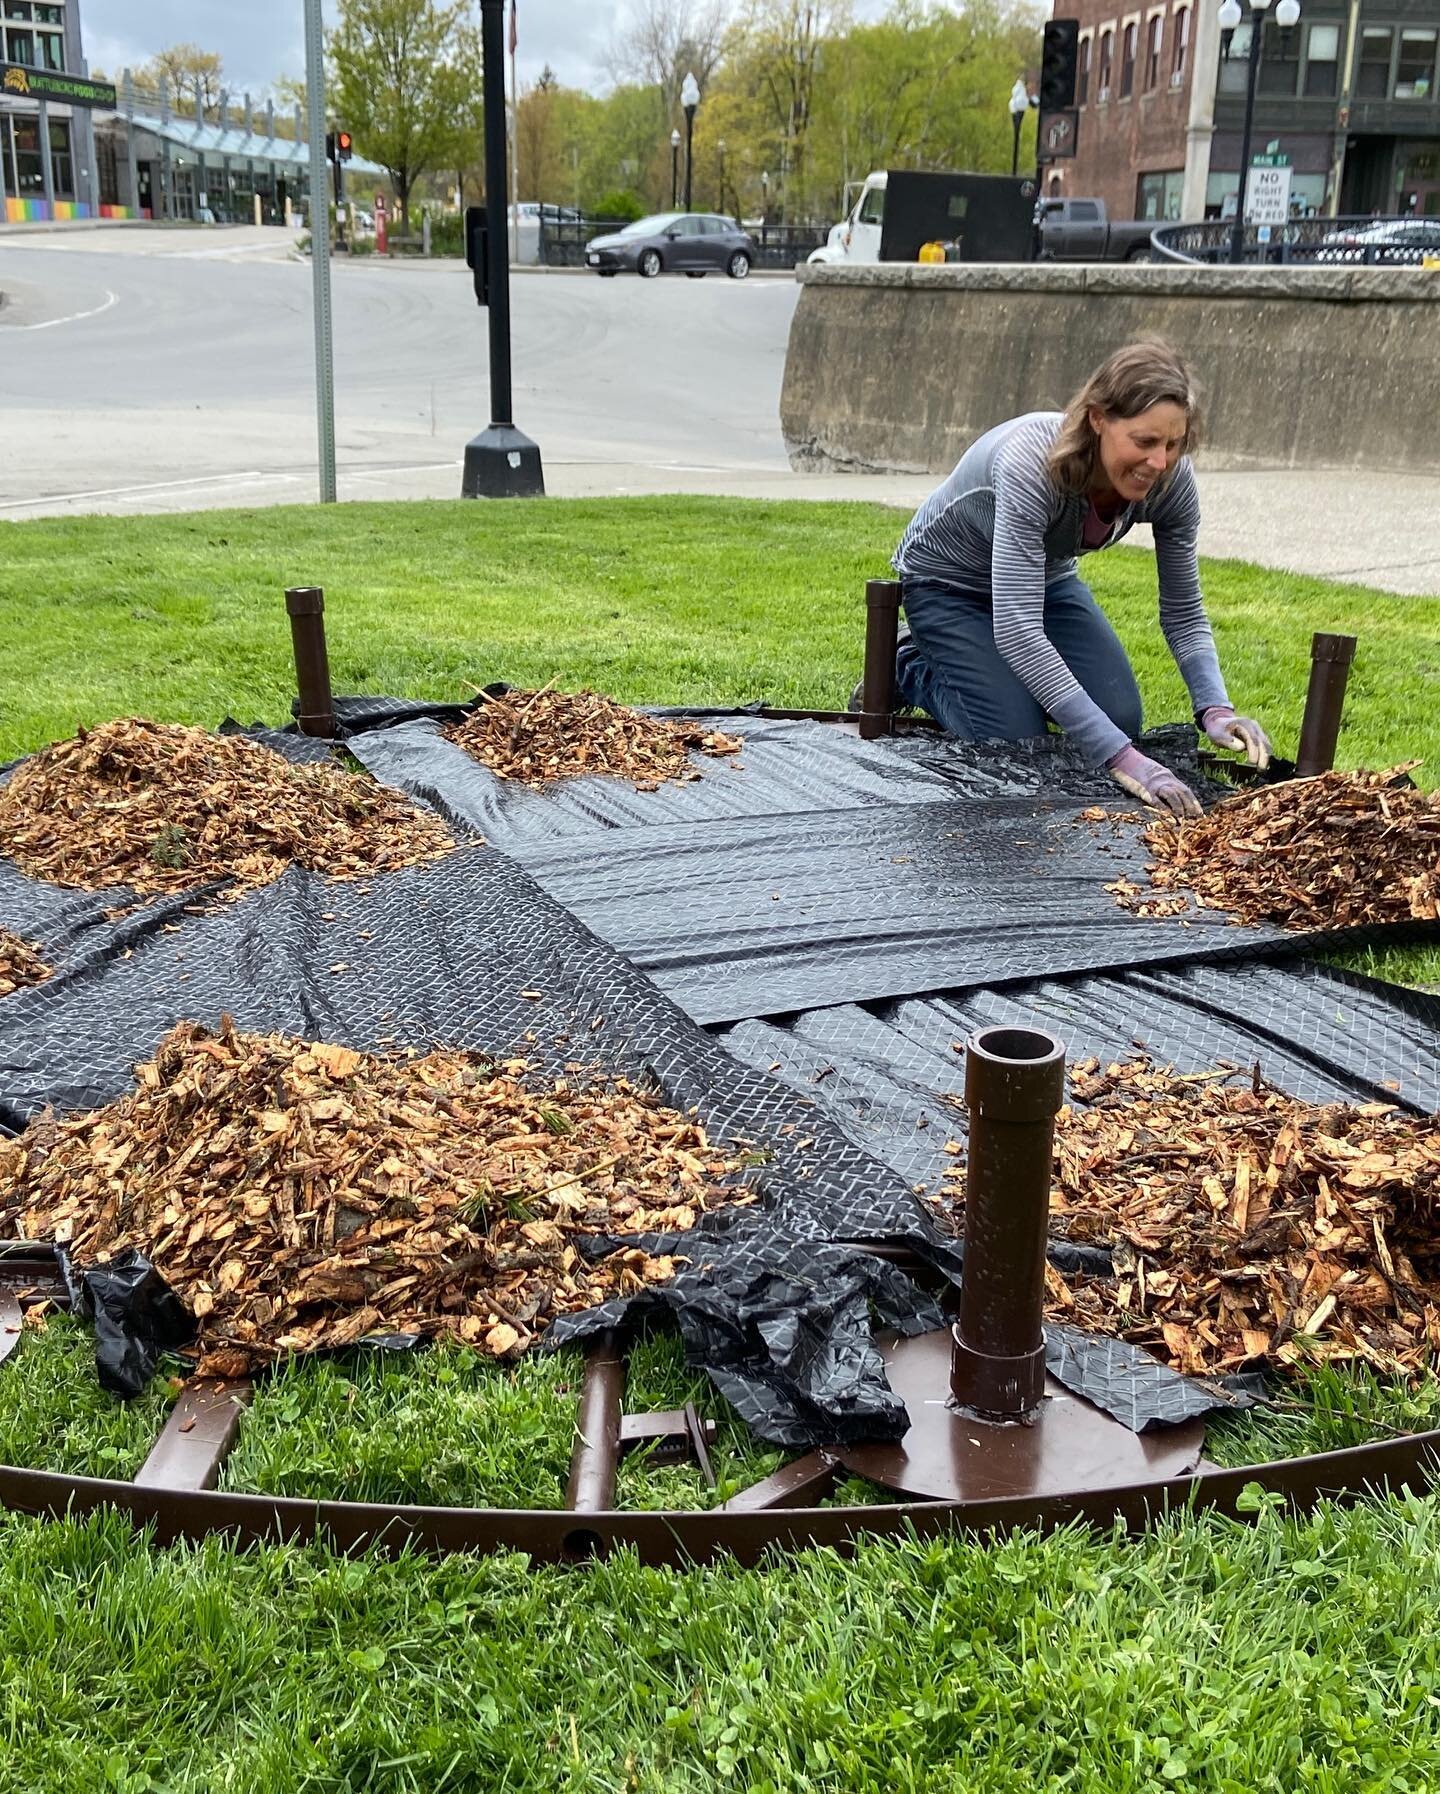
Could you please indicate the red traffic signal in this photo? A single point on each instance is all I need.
(339, 146)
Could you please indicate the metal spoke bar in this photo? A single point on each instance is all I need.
(197, 1437)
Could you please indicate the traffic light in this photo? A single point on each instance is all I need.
(1057, 64)
(339, 146)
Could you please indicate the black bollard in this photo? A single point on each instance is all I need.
(1014, 1084)
(315, 712)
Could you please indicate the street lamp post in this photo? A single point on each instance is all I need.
(1286, 14)
(501, 462)
(720, 146)
(1019, 106)
(764, 204)
(689, 99)
(674, 170)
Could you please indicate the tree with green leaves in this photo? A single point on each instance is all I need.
(182, 66)
(405, 79)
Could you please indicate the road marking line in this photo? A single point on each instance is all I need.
(73, 317)
(221, 479)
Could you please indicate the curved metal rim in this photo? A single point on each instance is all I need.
(686, 1537)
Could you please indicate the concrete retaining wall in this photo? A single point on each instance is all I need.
(899, 368)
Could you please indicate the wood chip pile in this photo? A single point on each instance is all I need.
(1241, 1219)
(20, 964)
(1343, 850)
(298, 1196)
(539, 737)
(161, 807)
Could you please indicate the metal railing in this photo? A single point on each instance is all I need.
(563, 240)
(1326, 242)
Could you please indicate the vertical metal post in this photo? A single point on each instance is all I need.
(1252, 70)
(1330, 658)
(315, 712)
(882, 628)
(1014, 1084)
(596, 1455)
(319, 246)
(133, 164)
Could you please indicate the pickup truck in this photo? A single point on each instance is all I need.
(1077, 230)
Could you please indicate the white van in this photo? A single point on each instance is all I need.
(857, 237)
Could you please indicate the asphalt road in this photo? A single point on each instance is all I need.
(170, 370)
(151, 369)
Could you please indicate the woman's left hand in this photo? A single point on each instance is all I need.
(1241, 734)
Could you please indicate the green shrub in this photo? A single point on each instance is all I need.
(623, 206)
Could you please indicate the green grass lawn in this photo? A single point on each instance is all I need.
(1205, 1656)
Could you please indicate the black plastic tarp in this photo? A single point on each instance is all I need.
(824, 870)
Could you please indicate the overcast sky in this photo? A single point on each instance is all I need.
(263, 39)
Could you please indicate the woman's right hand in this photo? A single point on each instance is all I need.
(1152, 783)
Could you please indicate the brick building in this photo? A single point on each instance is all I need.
(1349, 95)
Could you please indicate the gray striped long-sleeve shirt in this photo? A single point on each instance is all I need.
(999, 526)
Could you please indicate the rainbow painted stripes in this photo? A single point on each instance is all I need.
(39, 211)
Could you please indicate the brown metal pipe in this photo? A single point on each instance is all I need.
(315, 712)
(1330, 657)
(1014, 1084)
(882, 629)
(596, 1456)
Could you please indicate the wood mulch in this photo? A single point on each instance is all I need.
(1342, 850)
(163, 807)
(540, 737)
(299, 1196)
(20, 964)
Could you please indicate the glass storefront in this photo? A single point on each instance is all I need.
(20, 153)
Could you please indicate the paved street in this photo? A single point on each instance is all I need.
(165, 370)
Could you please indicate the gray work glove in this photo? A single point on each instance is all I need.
(1242, 734)
(1152, 783)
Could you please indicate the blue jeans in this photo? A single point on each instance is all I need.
(952, 669)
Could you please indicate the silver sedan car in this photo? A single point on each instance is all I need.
(693, 243)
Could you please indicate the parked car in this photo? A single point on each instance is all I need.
(1388, 241)
(693, 243)
(1077, 230)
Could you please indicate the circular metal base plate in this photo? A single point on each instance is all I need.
(1071, 1447)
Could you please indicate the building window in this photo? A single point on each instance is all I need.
(1157, 196)
(49, 15)
(1157, 44)
(1372, 80)
(1233, 59)
(49, 50)
(1127, 60)
(1279, 60)
(19, 9)
(22, 48)
(1082, 74)
(1107, 56)
(1182, 47)
(1322, 54)
(29, 181)
(1415, 71)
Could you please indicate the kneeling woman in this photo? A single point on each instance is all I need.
(1005, 636)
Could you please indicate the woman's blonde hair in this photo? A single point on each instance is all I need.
(1126, 383)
